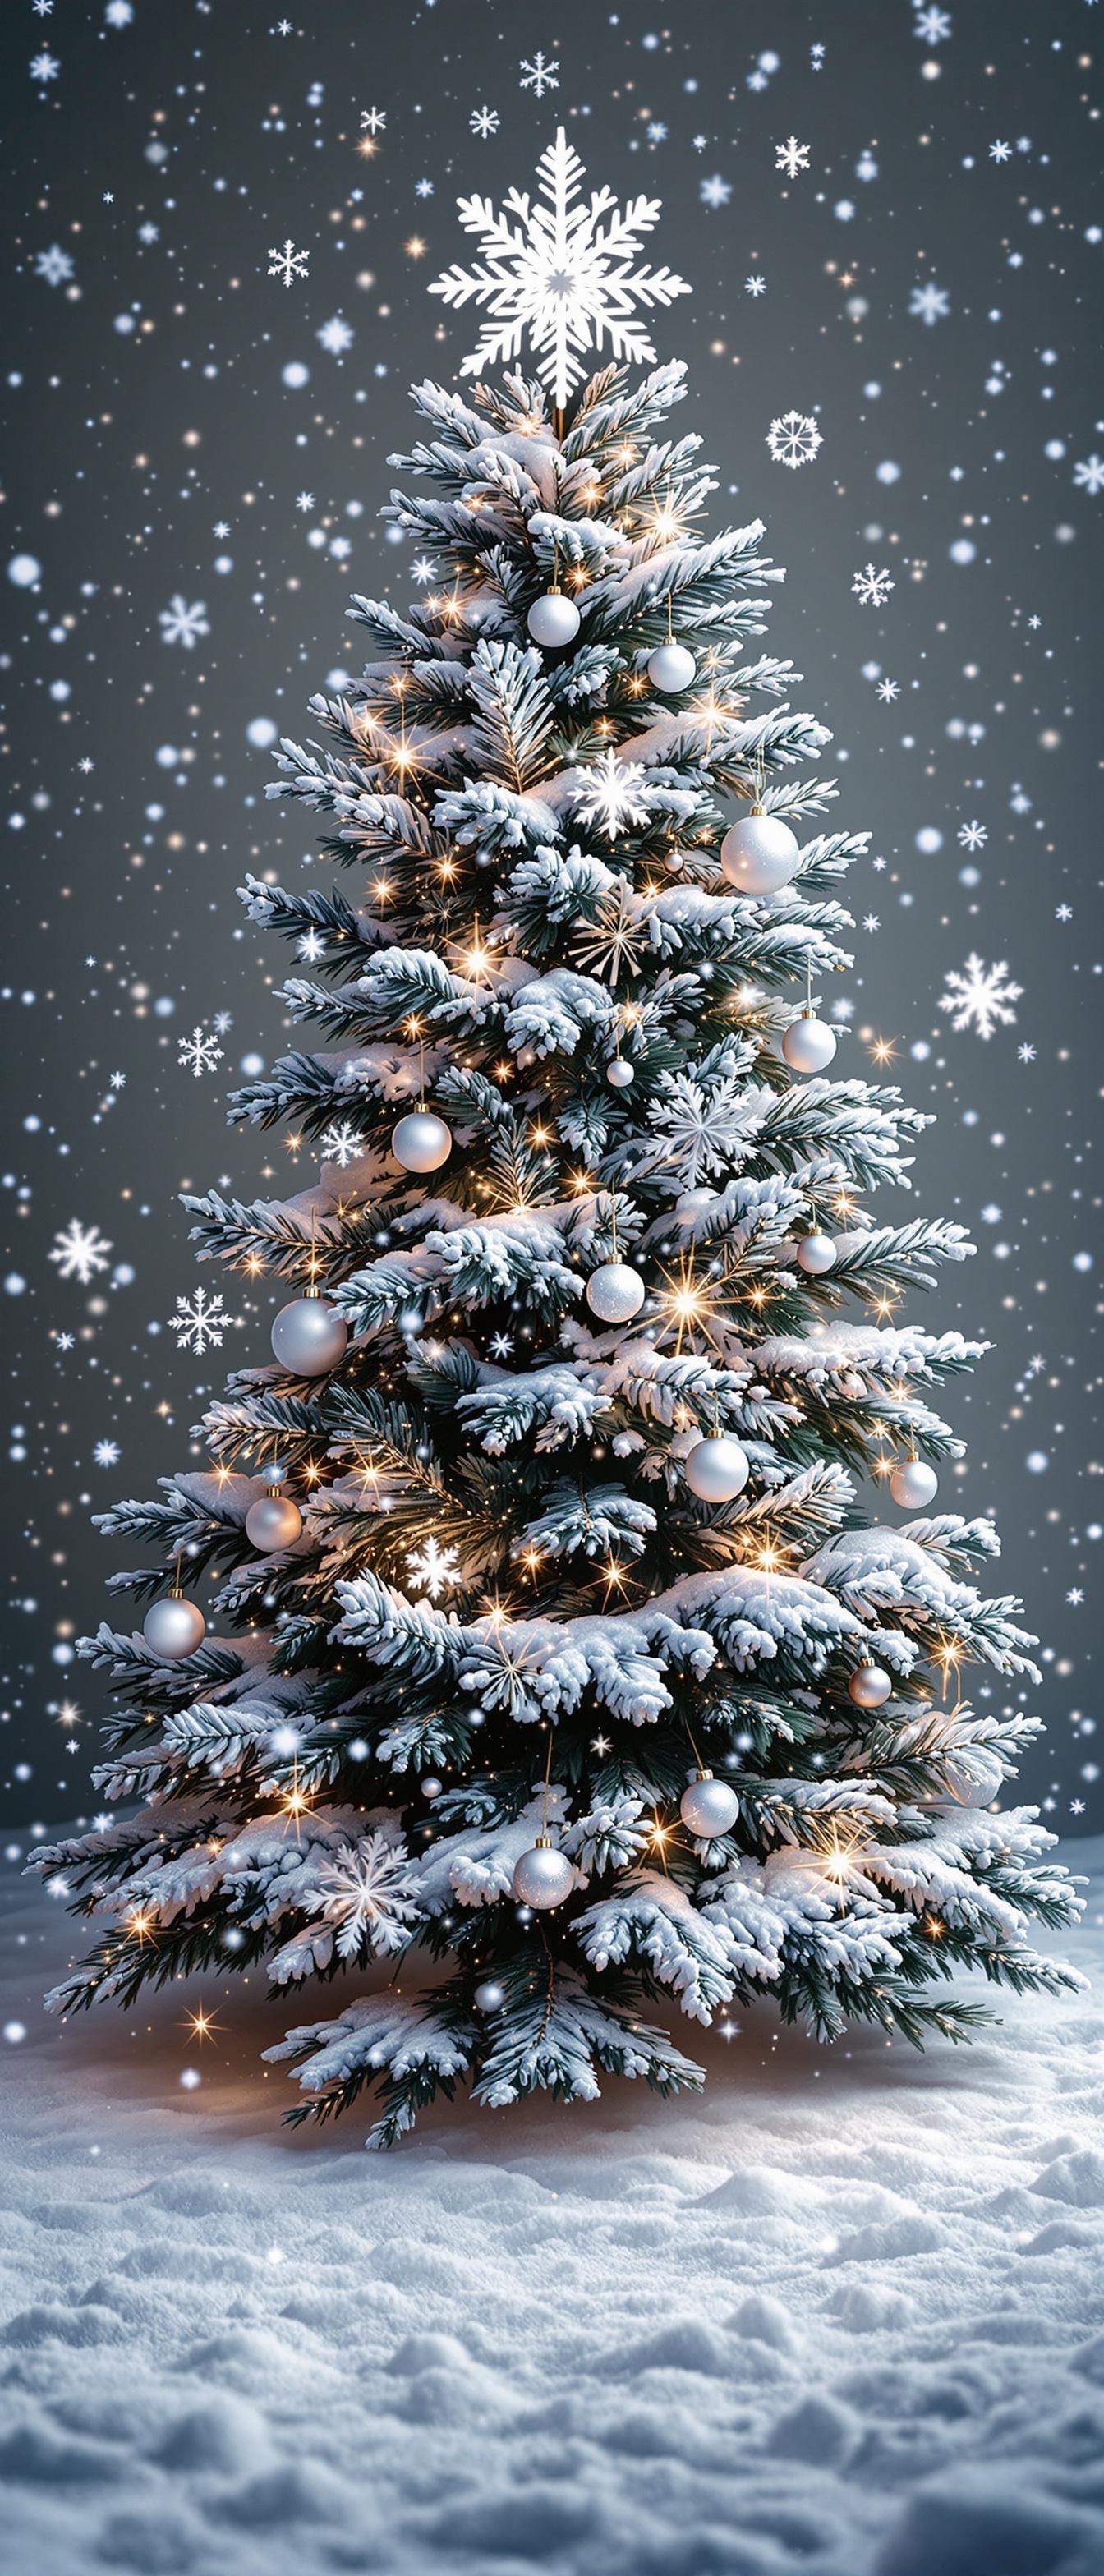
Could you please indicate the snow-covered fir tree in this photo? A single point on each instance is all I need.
(564, 1667)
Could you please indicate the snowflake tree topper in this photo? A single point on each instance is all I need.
(559, 276)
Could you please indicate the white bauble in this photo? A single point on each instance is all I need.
(421, 1142)
(717, 1469)
(816, 1253)
(808, 1045)
(913, 1484)
(620, 1073)
(615, 1293)
(671, 668)
(708, 1806)
(869, 1686)
(432, 1788)
(173, 1627)
(273, 1521)
(759, 854)
(309, 1336)
(675, 862)
(543, 1877)
(552, 620)
(490, 1996)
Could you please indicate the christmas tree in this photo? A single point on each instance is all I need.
(562, 1672)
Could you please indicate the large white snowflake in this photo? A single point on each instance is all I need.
(872, 585)
(793, 439)
(288, 263)
(791, 156)
(434, 1569)
(80, 1250)
(559, 276)
(201, 1051)
(608, 793)
(702, 1130)
(199, 1321)
(930, 303)
(980, 997)
(368, 1891)
(181, 624)
(342, 1143)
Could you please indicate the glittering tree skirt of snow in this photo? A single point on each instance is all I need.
(844, 2313)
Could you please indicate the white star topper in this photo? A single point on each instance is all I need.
(561, 275)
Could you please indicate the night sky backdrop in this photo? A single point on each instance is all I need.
(194, 454)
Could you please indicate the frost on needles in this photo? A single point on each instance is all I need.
(508, 1611)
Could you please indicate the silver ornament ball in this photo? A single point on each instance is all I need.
(709, 1806)
(759, 854)
(490, 1996)
(869, 1686)
(671, 668)
(615, 1293)
(273, 1521)
(553, 620)
(432, 1788)
(173, 1627)
(816, 1253)
(717, 1469)
(543, 1877)
(620, 1073)
(808, 1045)
(913, 1484)
(421, 1142)
(309, 1336)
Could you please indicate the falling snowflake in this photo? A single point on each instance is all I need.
(1089, 475)
(198, 1322)
(336, 335)
(980, 997)
(933, 26)
(79, 1251)
(972, 836)
(1000, 151)
(888, 690)
(715, 191)
(873, 588)
(288, 263)
(180, 624)
(434, 1569)
(200, 1051)
(539, 75)
(930, 302)
(609, 793)
(614, 942)
(107, 1453)
(756, 284)
(484, 121)
(342, 1144)
(368, 1890)
(45, 67)
(54, 264)
(559, 275)
(791, 156)
(793, 439)
(373, 119)
(701, 1129)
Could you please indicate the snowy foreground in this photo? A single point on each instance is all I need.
(844, 2314)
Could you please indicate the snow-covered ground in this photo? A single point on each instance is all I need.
(843, 2314)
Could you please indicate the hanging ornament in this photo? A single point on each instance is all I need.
(173, 1627)
(309, 1336)
(421, 1142)
(717, 1469)
(809, 1044)
(708, 1806)
(615, 1292)
(490, 1996)
(671, 668)
(543, 1876)
(553, 620)
(816, 1253)
(620, 1073)
(432, 1789)
(759, 854)
(869, 1686)
(273, 1520)
(913, 1484)
(675, 862)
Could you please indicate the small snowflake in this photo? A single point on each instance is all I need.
(65, 1341)
(608, 793)
(181, 624)
(45, 67)
(423, 187)
(79, 1251)
(288, 263)
(980, 997)
(498, 1348)
(1026, 1054)
(887, 691)
(1089, 475)
(434, 1569)
(336, 335)
(873, 588)
(715, 191)
(793, 439)
(107, 1453)
(1000, 151)
(55, 264)
(484, 121)
(756, 284)
(368, 1890)
(539, 75)
(201, 1051)
(791, 156)
(933, 26)
(972, 836)
(342, 1144)
(423, 570)
(198, 1322)
(930, 302)
(373, 120)
(118, 13)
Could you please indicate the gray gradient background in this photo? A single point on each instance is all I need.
(123, 449)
